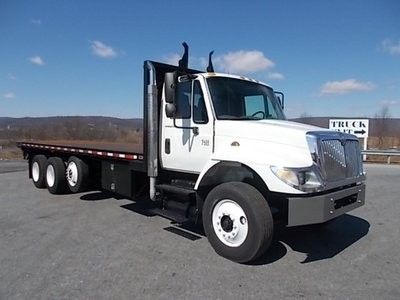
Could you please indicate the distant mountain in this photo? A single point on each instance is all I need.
(70, 128)
(94, 121)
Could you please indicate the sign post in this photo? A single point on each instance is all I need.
(358, 127)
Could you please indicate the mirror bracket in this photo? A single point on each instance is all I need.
(170, 83)
(281, 99)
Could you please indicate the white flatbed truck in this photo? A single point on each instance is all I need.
(218, 151)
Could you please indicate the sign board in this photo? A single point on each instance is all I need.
(358, 127)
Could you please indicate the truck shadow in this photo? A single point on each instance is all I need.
(318, 243)
(94, 195)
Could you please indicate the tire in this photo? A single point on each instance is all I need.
(38, 167)
(55, 176)
(247, 208)
(77, 174)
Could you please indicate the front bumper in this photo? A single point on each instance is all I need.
(322, 208)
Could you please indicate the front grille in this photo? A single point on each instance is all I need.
(353, 159)
(340, 159)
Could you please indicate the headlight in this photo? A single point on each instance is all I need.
(303, 179)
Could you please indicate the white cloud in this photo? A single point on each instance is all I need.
(239, 62)
(12, 77)
(37, 60)
(198, 63)
(171, 59)
(102, 50)
(36, 21)
(276, 76)
(345, 86)
(243, 62)
(391, 47)
(202, 63)
(9, 95)
(389, 102)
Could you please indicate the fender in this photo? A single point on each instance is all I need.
(256, 155)
(219, 168)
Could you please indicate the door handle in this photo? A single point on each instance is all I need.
(167, 146)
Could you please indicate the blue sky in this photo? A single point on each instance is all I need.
(330, 58)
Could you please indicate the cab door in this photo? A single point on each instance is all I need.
(187, 145)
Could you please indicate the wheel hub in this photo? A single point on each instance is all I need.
(230, 223)
(69, 174)
(226, 223)
(72, 174)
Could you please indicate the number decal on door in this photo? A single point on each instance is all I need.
(205, 142)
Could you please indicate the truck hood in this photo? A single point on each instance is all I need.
(272, 131)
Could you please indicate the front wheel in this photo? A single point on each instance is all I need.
(238, 221)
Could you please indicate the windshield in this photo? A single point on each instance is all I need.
(236, 99)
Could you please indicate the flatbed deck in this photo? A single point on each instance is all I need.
(117, 150)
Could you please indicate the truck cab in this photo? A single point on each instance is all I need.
(220, 118)
(226, 129)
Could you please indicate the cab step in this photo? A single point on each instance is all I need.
(175, 189)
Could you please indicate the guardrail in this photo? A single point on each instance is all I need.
(388, 153)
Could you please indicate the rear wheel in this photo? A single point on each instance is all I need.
(55, 175)
(77, 174)
(238, 221)
(38, 167)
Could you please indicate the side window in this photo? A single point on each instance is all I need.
(199, 106)
(254, 104)
(183, 110)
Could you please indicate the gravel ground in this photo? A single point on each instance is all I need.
(91, 246)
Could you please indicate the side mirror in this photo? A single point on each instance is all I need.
(170, 82)
(170, 110)
(281, 98)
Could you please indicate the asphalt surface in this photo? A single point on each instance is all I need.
(7, 166)
(91, 246)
